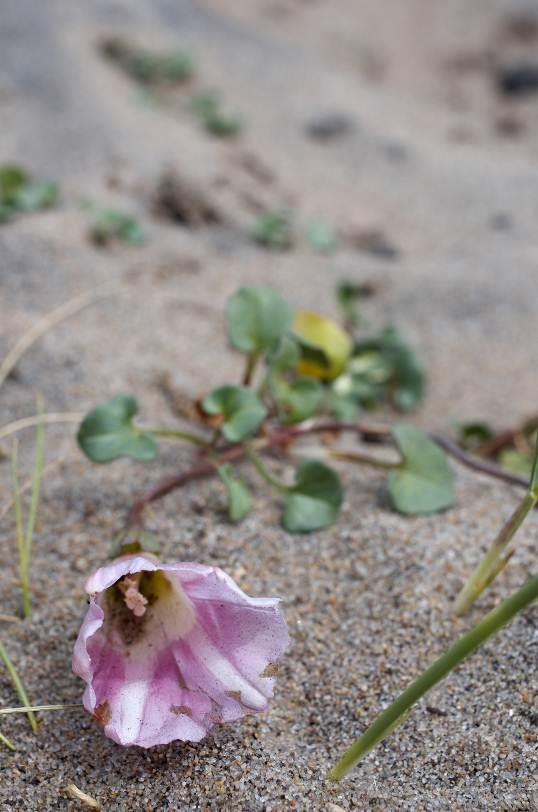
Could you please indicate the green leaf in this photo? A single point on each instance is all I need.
(405, 380)
(12, 179)
(343, 406)
(147, 67)
(175, 67)
(256, 318)
(241, 409)
(110, 224)
(314, 501)
(516, 461)
(321, 237)
(424, 482)
(107, 432)
(19, 193)
(7, 212)
(285, 356)
(299, 399)
(472, 435)
(239, 502)
(274, 230)
(223, 125)
(348, 295)
(38, 195)
(206, 106)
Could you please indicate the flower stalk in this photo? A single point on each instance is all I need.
(398, 711)
(250, 367)
(497, 556)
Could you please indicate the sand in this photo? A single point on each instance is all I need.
(422, 158)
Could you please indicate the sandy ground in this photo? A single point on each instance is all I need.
(429, 159)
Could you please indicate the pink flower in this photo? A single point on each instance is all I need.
(169, 650)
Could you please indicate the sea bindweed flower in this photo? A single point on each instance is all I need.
(169, 650)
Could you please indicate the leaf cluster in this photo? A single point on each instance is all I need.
(207, 106)
(110, 224)
(147, 67)
(20, 193)
(294, 363)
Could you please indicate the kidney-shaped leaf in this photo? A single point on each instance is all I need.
(424, 482)
(256, 318)
(314, 500)
(107, 432)
(241, 409)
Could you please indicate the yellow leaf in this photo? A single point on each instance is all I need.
(325, 338)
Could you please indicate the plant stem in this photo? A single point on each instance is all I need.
(490, 565)
(177, 434)
(462, 648)
(478, 464)
(18, 684)
(281, 437)
(252, 363)
(364, 459)
(263, 471)
(162, 488)
(533, 486)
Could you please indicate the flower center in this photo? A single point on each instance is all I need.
(146, 605)
(134, 599)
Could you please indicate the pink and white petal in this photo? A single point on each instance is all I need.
(106, 576)
(201, 660)
(82, 662)
(234, 640)
(162, 710)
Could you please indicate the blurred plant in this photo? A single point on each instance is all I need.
(321, 237)
(206, 105)
(274, 230)
(19, 193)
(110, 224)
(146, 67)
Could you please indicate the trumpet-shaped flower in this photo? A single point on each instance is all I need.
(169, 650)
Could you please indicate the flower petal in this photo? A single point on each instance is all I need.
(201, 653)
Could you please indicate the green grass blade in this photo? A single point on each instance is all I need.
(7, 742)
(18, 685)
(18, 521)
(36, 483)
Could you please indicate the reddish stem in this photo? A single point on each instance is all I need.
(283, 436)
(198, 471)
